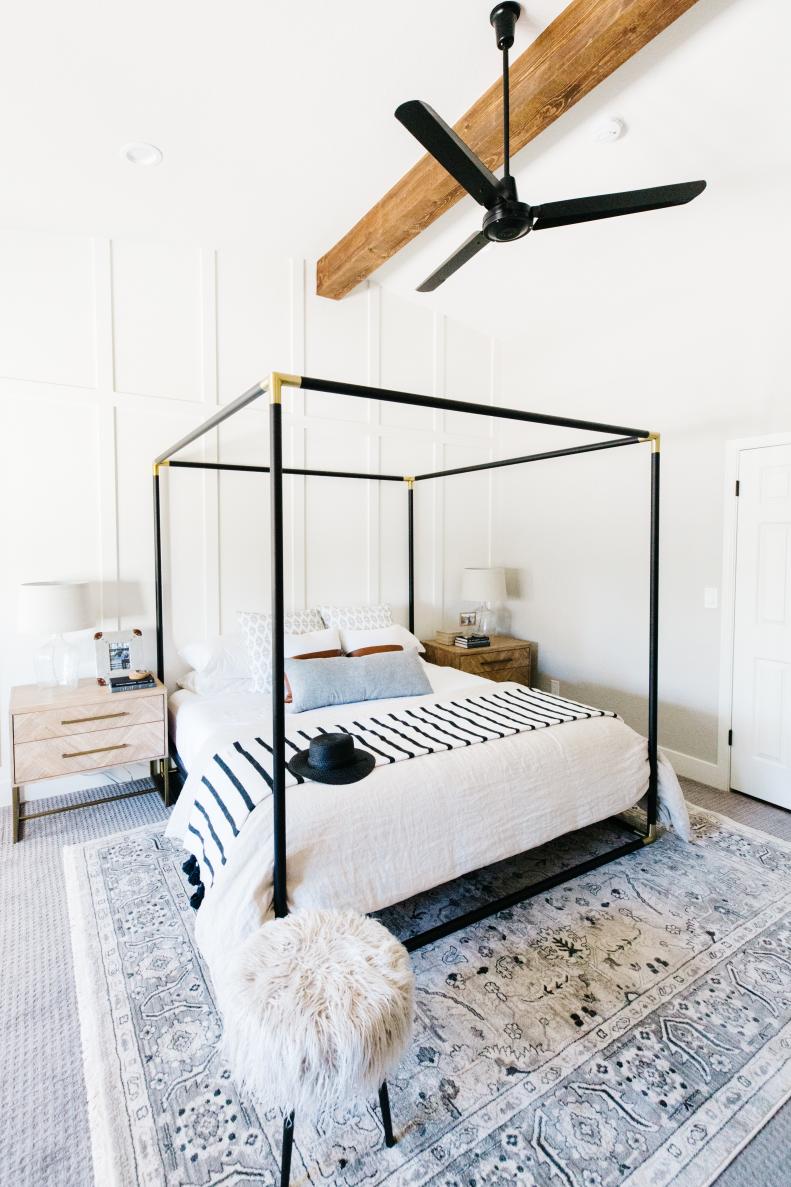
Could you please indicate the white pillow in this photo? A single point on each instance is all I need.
(311, 642)
(394, 635)
(257, 631)
(209, 683)
(226, 654)
(357, 618)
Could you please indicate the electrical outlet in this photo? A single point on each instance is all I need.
(711, 597)
(554, 687)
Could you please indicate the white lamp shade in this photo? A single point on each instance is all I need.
(52, 607)
(484, 585)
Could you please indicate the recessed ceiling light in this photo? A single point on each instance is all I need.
(140, 153)
(608, 130)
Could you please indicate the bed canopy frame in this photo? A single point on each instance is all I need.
(273, 386)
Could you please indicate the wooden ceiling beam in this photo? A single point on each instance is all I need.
(578, 50)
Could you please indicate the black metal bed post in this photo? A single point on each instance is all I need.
(158, 577)
(410, 486)
(278, 671)
(653, 644)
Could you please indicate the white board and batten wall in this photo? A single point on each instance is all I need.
(111, 351)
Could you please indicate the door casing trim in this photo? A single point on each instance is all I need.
(733, 452)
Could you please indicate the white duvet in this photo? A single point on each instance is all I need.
(407, 826)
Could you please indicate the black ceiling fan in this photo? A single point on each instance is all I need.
(506, 217)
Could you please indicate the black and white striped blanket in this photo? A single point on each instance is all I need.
(239, 776)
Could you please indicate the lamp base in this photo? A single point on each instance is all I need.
(57, 664)
(487, 619)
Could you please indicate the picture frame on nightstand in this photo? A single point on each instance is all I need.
(118, 652)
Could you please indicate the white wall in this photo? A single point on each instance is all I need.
(110, 351)
(698, 349)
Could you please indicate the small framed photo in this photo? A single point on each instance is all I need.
(118, 652)
(467, 618)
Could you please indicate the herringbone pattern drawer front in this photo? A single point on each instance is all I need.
(58, 723)
(101, 748)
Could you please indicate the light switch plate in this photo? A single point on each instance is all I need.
(710, 597)
(554, 687)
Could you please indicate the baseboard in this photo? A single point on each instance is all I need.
(697, 768)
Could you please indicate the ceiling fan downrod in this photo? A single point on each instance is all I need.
(508, 218)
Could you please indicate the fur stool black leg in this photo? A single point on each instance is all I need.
(288, 1134)
(384, 1105)
(285, 1154)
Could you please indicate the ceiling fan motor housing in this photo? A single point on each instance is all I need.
(507, 220)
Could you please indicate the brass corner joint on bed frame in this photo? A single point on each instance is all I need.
(409, 479)
(158, 466)
(651, 835)
(277, 381)
(655, 439)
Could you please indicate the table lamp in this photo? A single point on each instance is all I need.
(51, 608)
(485, 587)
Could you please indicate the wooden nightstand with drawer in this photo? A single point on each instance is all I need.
(67, 731)
(504, 659)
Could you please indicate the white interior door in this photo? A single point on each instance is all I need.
(761, 715)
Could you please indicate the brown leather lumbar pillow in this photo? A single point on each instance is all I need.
(335, 653)
(375, 650)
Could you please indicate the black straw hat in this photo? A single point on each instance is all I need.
(332, 758)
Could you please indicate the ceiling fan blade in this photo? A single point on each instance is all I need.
(450, 150)
(584, 210)
(468, 249)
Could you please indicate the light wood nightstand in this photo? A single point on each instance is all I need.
(64, 731)
(504, 659)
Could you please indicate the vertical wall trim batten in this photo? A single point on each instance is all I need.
(103, 314)
(110, 607)
(492, 433)
(294, 488)
(374, 445)
(438, 487)
(210, 394)
(109, 587)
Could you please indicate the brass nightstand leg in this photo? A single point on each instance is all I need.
(15, 814)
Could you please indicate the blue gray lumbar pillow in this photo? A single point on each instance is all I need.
(344, 681)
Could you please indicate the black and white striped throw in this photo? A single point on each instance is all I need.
(239, 777)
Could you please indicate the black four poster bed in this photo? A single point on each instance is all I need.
(617, 436)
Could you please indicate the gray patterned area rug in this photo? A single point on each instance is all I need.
(632, 1027)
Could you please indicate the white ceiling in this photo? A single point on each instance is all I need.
(276, 124)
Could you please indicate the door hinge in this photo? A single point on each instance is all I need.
(737, 488)
(730, 737)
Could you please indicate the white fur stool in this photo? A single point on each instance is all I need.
(318, 1009)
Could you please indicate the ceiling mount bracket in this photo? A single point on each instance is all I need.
(503, 18)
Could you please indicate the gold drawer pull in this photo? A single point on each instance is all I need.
(96, 750)
(98, 717)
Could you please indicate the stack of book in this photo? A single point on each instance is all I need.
(445, 636)
(472, 641)
(131, 680)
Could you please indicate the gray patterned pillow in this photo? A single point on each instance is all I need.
(357, 618)
(257, 631)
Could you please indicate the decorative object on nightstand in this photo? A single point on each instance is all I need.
(118, 653)
(51, 608)
(487, 588)
(64, 731)
(504, 659)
